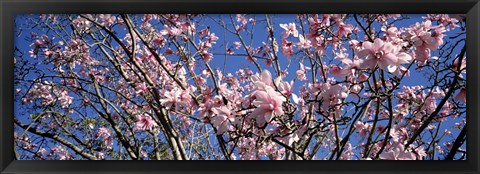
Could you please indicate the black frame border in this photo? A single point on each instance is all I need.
(8, 8)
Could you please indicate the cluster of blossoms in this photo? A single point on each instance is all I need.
(267, 100)
(331, 95)
(145, 122)
(424, 39)
(60, 153)
(48, 95)
(384, 54)
(103, 134)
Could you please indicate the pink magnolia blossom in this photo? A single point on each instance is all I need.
(61, 152)
(421, 36)
(303, 43)
(290, 29)
(107, 19)
(237, 45)
(438, 35)
(103, 131)
(424, 40)
(398, 133)
(203, 33)
(344, 29)
(107, 139)
(362, 128)
(172, 98)
(302, 72)
(419, 31)
(383, 54)
(286, 88)
(241, 18)
(262, 81)
(355, 44)
(420, 152)
(64, 99)
(445, 20)
(222, 118)
(430, 104)
(335, 70)
(141, 88)
(269, 104)
(145, 122)
(351, 67)
(173, 31)
(287, 48)
(397, 152)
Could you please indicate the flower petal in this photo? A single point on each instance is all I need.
(295, 98)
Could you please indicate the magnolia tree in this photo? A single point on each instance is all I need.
(240, 87)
